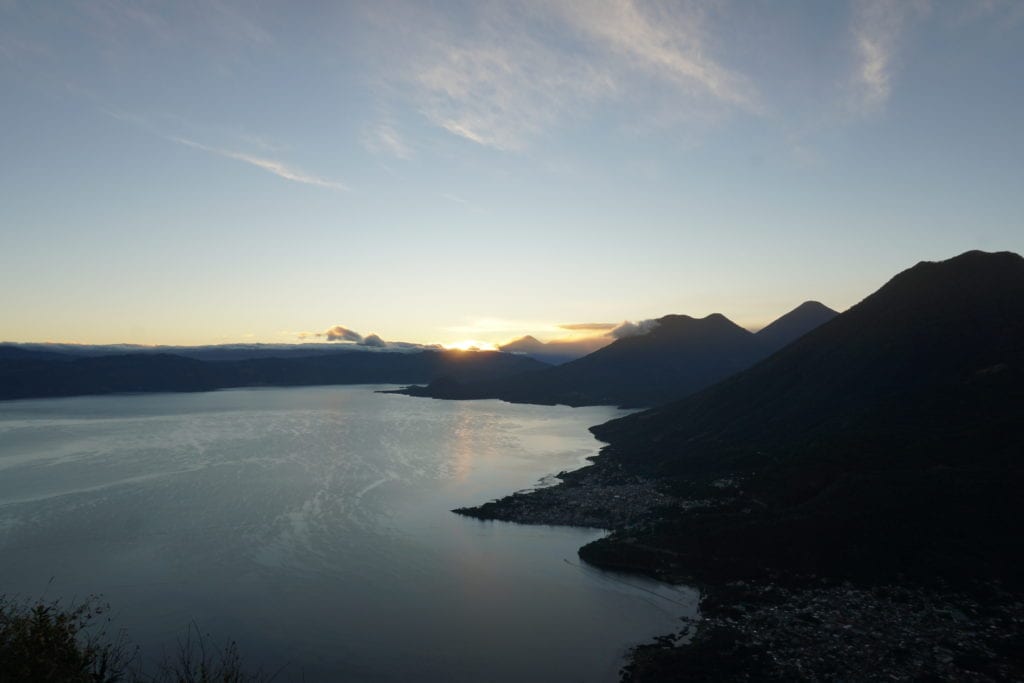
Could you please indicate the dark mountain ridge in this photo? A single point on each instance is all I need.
(890, 439)
(851, 505)
(679, 356)
(211, 352)
(32, 374)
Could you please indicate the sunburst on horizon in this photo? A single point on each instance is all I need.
(470, 345)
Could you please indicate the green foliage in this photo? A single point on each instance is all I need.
(52, 642)
(46, 641)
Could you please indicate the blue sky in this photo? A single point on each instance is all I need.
(216, 172)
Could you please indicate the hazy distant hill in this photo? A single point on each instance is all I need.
(679, 356)
(208, 352)
(32, 374)
(19, 352)
(889, 439)
(554, 352)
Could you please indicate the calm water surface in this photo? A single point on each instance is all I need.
(312, 526)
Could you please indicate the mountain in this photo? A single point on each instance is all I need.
(678, 356)
(557, 351)
(889, 440)
(805, 317)
(681, 354)
(525, 344)
(19, 352)
(34, 374)
(215, 352)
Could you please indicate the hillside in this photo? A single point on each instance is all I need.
(889, 439)
(850, 506)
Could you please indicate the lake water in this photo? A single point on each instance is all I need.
(313, 527)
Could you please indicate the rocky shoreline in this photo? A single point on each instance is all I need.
(782, 628)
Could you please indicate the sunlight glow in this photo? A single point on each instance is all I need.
(471, 345)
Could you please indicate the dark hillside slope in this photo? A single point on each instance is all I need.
(889, 439)
(678, 356)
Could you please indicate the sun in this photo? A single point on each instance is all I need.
(470, 345)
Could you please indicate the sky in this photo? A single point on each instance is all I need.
(434, 172)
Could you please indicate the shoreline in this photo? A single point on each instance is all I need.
(776, 627)
(590, 497)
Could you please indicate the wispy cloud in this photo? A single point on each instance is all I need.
(671, 45)
(878, 26)
(270, 165)
(278, 168)
(502, 75)
(383, 138)
(633, 329)
(501, 93)
(351, 338)
(340, 333)
(589, 327)
(621, 330)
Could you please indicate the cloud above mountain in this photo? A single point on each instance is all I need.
(627, 328)
(633, 329)
(339, 333)
(342, 334)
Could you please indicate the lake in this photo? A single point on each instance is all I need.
(312, 525)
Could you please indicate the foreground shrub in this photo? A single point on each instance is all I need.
(46, 641)
(50, 642)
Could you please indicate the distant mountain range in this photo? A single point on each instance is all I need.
(678, 356)
(890, 439)
(207, 352)
(30, 372)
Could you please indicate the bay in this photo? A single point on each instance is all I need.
(313, 527)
